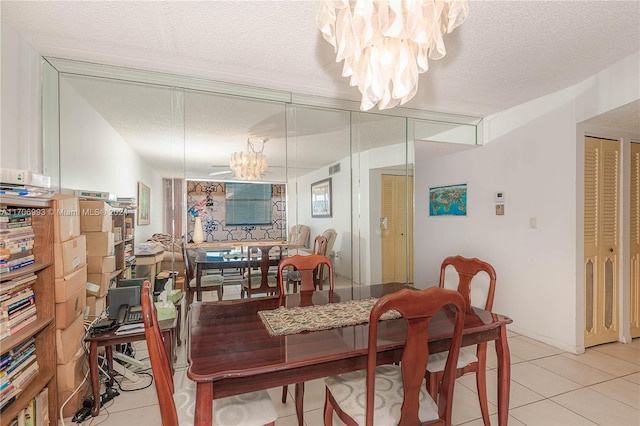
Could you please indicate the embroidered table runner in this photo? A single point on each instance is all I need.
(283, 321)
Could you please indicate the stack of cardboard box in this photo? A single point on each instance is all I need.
(97, 226)
(70, 269)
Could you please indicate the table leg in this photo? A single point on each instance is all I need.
(95, 378)
(198, 278)
(504, 376)
(204, 404)
(299, 396)
(179, 319)
(109, 352)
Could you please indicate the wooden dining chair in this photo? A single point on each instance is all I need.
(399, 394)
(255, 408)
(208, 282)
(261, 279)
(458, 273)
(293, 276)
(331, 235)
(307, 268)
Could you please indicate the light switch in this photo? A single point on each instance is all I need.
(533, 223)
(500, 209)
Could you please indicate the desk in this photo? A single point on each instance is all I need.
(153, 259)
(108, 340)
(230, 351)
(240, 261)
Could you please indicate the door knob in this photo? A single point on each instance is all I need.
(610, 250)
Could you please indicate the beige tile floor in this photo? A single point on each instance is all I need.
(548, 387)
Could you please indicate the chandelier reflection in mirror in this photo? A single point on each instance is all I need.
(385, 45)
(249, 164)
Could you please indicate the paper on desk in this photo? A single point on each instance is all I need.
(129, 329)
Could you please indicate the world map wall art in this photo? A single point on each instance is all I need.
(450, 200)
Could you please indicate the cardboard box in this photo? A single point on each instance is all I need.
(99, 243)
(95, 216)
(100, 264)
(71, 374)
(66, 221)
(102, 280)
(68, 340)
(69, 256)
(95, 306)
(75, 403)
(66, 287)
(68, 311)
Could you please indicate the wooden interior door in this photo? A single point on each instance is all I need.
(601, 240)
(634, 251)
(397, 228)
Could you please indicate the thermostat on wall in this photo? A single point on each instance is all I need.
(499, 197)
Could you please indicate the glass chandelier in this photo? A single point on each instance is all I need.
(249, 164)
(386, 44)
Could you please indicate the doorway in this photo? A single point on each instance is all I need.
(396, 228)
(601, 240)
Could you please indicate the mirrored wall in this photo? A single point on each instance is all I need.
(108, 128)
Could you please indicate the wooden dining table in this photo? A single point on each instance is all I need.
(230, 351)
(228, 257)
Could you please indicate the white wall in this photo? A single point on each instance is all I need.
(95, 157)
(21, 119)
(531, 153)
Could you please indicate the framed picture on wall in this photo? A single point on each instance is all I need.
(449, 200)
(144, 204)
(321, 198)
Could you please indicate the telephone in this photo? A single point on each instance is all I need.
(129, 315)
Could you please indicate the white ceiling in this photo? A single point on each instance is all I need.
(506, 53)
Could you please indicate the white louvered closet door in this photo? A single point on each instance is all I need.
(635, 239)
(601, 240)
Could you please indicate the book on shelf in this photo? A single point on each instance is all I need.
(17, 264)
(7, 399)
(15, 215)
(29, 413)
(8, 286)
(8, 310)
(42, 407)
(24, 377)
(21, 360)
(9, 233)
(14, 329)
(4, 226)
(16, 258)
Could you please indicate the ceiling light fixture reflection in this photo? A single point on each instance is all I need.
(386, 44)
(249, 164)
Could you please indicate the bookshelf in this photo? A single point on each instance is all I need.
(124, 240)
(43, 328)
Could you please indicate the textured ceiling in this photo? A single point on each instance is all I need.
(506, 53)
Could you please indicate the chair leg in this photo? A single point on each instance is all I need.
(328, 409)
(220, 292)
(481, 382)
(300, 403)
(189, 296)
(432, 385)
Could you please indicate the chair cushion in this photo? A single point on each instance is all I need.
(437, 361)
(272, 281)
(208, 281)
(250, 409)
(349, 390)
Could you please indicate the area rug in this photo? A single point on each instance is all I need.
(283, 321)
